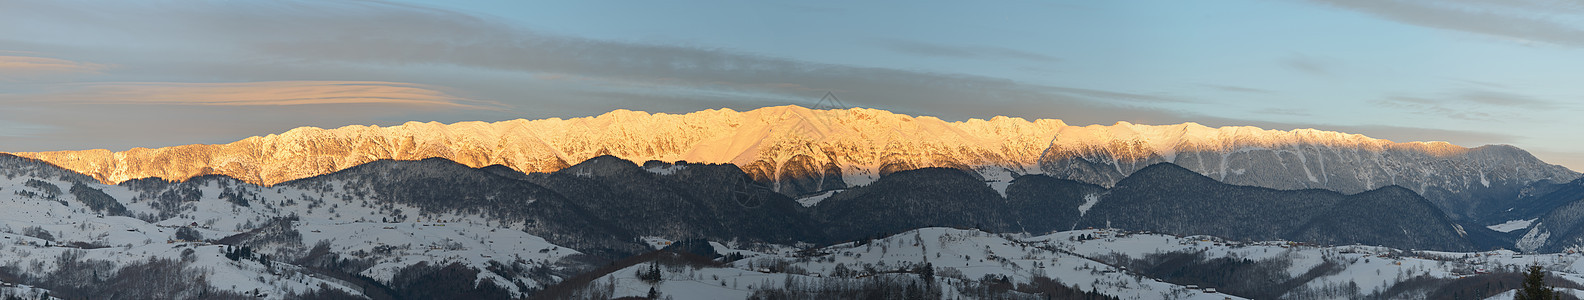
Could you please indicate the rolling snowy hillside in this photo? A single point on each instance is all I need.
(305, 241)
(1129, 265)
(439, 229)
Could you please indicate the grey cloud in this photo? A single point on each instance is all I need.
(400, 36)
(533, 73)
(1420, 105)
(1491, 97)
(233, 22)
(1475, 104)
(1306, 64)
(1452, 108)
(1283, 111)
(1480, 84)
(1526, 20)
(475, 57)
(1101, 95)
(953, 51)
(1406, 100)
(264, 93)
(1236, 89)
(119, 127)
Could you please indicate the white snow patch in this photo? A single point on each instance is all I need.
(1509, 226)
(998, 180)
(657, 242)
(811, 201)
(666, 170)
(1534, 239)
(1089, 201)
(725, 249)
(999, 186)
(1510, 294)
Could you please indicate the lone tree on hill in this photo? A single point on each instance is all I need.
(1534, 287)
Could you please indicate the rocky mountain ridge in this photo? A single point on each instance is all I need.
(796, 151)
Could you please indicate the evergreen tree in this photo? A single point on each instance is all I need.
(913, 292)
(652, 275)
(841, 271)
(1534, 287)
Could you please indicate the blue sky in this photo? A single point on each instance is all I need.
(78, 75)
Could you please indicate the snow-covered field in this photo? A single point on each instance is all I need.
(960, 256)
(39, 225)
(957, 255)
(346, 225)
(1510, 226)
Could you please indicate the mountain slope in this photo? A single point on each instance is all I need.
(1468, 183)
(795, 151)
(691, 201)
(1560, 228)
(1168, 198)
(763, 142)
(338, 234)
(912, 199)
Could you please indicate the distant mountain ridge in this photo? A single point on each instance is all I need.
(601, 205)
(796, 151)
(1472, 184)
(434, 228)
(1169, 198)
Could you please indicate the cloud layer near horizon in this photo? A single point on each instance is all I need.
(18, 67)
(290, 41)
(1547, 21)
(258, 94)
(270, 66)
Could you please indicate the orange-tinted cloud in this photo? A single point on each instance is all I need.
(13, 66)
(267, 93)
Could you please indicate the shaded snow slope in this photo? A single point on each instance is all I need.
(1093, 259)
(44, 221)
(1511, 226)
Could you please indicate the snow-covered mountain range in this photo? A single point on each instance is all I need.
(438, 229)
(355, 234)
(799, 151)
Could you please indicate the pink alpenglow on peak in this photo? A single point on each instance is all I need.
(799, 150)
